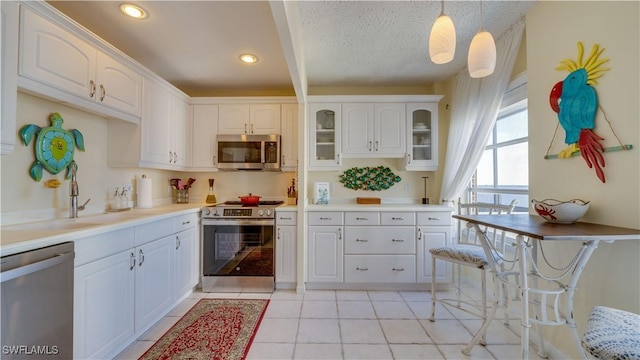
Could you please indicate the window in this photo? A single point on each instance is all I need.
(503, 172)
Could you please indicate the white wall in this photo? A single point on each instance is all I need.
(553, 30)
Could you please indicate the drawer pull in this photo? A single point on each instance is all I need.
(362, 240)
(132, 261)
(433, 218)
(362, 269)
(397, 218)
(397, 240)
(325, 218)
(186, 222)
(362, 218)
(285, 218)
(397, 269)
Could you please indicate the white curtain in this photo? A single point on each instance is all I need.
(475, 107)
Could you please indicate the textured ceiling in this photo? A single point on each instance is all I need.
(195, 44)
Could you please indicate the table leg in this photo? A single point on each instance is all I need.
(524, 297)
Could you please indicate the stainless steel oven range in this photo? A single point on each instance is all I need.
(238, 247)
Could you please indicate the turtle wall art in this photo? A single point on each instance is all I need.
(54, 146)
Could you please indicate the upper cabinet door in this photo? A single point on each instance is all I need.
(324, 136)
(289, 137)
(357, 129)
(156, 126)
(422, 135)
(390, 130)
(118, 86)
(233, 119)
(264, 119)
(203, 142)
(51, 55)
(8, 74)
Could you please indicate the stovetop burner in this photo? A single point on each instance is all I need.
(260, 203)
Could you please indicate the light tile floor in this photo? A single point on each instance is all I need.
(321, 324)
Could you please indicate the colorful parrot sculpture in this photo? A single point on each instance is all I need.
(576, 102)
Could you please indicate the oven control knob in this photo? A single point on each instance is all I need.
(206, 211)
(261, 212)
(215, 212)
(269, 212)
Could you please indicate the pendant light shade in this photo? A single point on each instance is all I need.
(482, 55)
(442, 41)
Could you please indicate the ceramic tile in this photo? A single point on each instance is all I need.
(273, 351)
(283, 309)
(135, 350)
(320, 295)
(411, 351)
(214, 295)
(319, 309)
(447, 331)
(277, 331)
(361, 332)
(392, 310)
(510, 352)
(416, 296)
(404, 332)
(355, 310)
(319, 331)
(318, 351)
(158, 329)
(249, 295)
(497, 333)
(361, 351)
(477, 353)
(286, 295)
(385, 296)
(183, 307)
(352, 295)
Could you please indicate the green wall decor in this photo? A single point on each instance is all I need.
(54, 146)
(369, 178)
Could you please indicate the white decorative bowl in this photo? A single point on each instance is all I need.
(560, 212)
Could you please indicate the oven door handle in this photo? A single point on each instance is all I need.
(241, 222)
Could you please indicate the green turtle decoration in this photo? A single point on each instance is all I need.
(54, 146)
(369, 178)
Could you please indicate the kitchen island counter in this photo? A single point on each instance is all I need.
(29, 236)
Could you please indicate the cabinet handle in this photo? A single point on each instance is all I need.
(170, 157)
(214, 160)
(177, 242)
(93, 88)
(369, 145)
(397, 240)
(361, 269)
(278, 236)
(285, 218)
(408, 159)
(186, 222)
(362, 240)
(362, 218)
(141, 256)
(397, 218)
(419, 234)
(397, 269)
(132, 261)
(252, 128)
(282, 160)
(245, 128)
(103, 92)
(175, 157)
(433, 218)
(339, 233)
(376, 145)
(325, 218)
(338, 159)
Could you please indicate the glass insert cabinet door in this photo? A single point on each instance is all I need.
(422, 142)
(324, 133)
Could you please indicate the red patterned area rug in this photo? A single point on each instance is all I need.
(213, 329)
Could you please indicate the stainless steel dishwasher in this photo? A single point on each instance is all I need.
(37, 303)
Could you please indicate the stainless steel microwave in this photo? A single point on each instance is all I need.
(249, 152)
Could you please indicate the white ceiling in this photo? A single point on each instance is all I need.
(195, 44)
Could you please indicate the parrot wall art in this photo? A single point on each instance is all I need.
(575, 101)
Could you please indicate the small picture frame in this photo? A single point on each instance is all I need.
(321, 191)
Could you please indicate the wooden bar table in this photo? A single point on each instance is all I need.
(529, 229)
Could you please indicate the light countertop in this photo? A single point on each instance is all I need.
(29, 236)
(377, 207)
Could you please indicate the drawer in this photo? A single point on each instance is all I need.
(379, 240)
(153, 231)
(380, 269)
(434, 218)
(362, 218)
(397, 218)
(286, 218)
(100, 246)
(184, 222)
(325, 218)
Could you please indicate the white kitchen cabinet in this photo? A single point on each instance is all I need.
(8, 75)
(289, 137)
(325, 254)
(60, 60)
(180, 134)
(255, 119)
(373, 130)
(434, 230)
(186, 257)
(422, 137)
(204, 146)
(324, 136)
(286, 249)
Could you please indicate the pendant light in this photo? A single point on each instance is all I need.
(482, 53)
(442, 40)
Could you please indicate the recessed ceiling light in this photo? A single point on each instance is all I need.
(248, 58)
(134, 11)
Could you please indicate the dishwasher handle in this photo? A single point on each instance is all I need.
(36, 266)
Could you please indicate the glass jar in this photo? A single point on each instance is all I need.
(182, 196)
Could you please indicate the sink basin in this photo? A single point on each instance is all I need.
(66, 224)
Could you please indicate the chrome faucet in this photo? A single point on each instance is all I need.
(73, 194)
